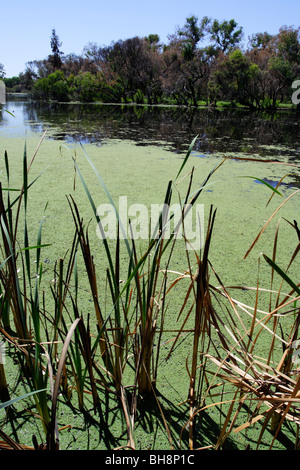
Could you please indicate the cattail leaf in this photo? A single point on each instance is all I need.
(14, 400)
(187, 155)
(282, 274)
(265, 183)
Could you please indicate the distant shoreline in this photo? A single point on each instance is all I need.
(283, 106)
(21, 95)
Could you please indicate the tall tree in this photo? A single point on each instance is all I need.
(55, 58)
(2, 71)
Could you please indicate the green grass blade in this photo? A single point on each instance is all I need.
(6, 110)
(6, 165)
(263, 182)
(25, 177)
(28, 187)
(14, 400)
(107, 193)
(95, 214)
(187, 156)
(282, 274)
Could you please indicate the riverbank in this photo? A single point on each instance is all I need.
(202, 104)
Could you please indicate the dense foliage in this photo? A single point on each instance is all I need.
(203, 61)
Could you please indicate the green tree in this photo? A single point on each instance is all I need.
(287, 62)
(54, 87)
(12, 82)
(288, 45)
(85, 87)
(233, 80)
(260, 40)
(225, 35)
(281, 73)
(188, 37)
(154, 42)
(194, 31)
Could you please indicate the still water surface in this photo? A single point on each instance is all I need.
(267, 135)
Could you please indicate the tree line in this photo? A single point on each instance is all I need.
(202, 63)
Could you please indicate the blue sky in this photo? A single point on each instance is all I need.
(26, 26)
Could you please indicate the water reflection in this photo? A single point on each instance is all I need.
(270, 135)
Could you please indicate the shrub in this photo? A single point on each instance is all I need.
(85, 87)
(54, 86)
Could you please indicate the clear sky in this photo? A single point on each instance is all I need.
(26, 26)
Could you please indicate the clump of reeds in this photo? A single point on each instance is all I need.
(23, 319)
(138, 306)
(116, 349)
(268, 386)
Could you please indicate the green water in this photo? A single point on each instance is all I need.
(137, 152)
